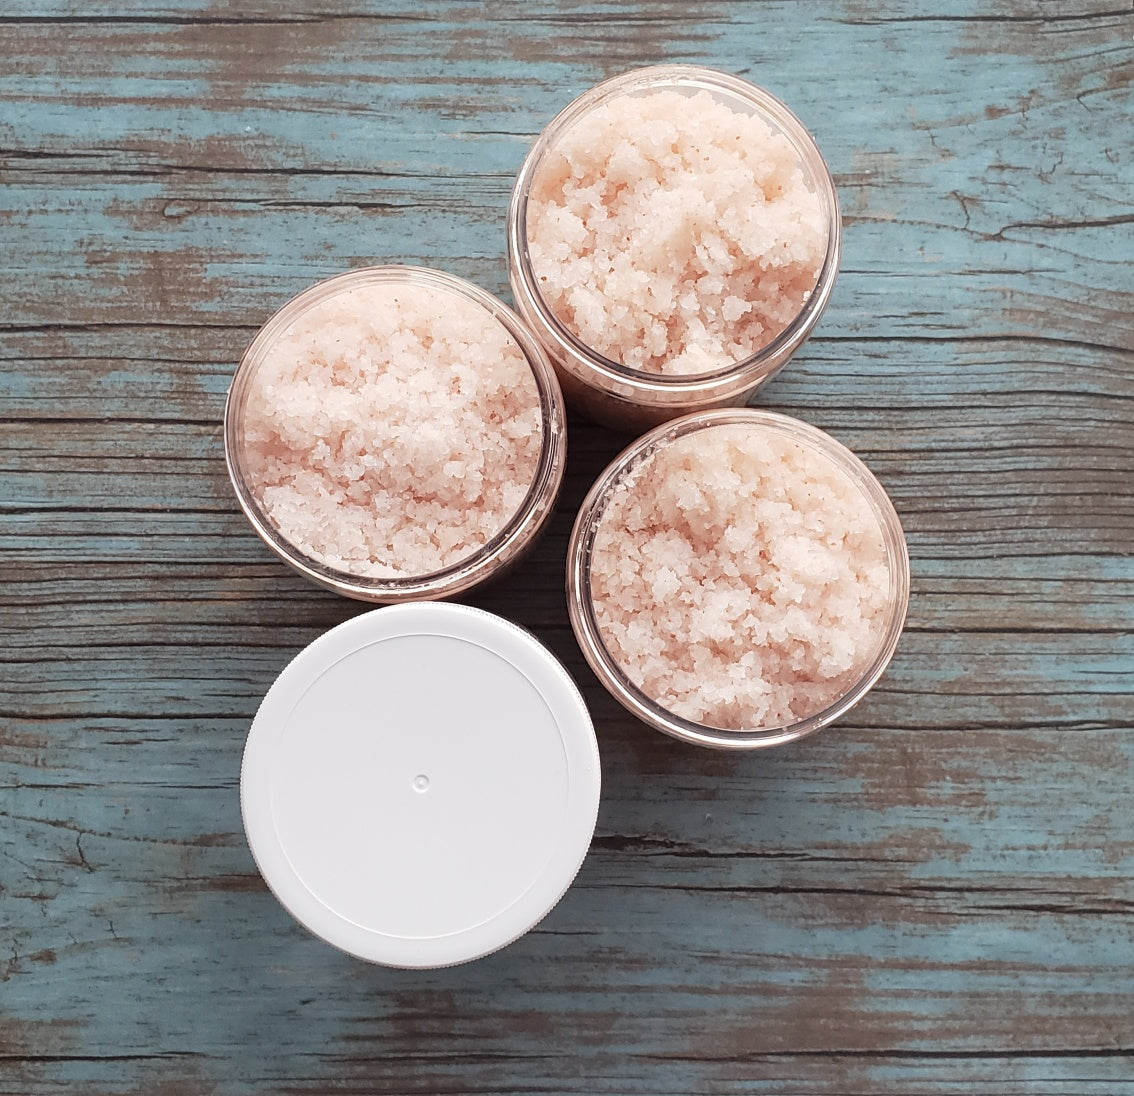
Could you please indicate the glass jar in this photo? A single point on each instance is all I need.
(629, 398)
(836, 477)
(316, 328)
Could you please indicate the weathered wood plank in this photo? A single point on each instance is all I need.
(862, 809)
(169, 372)
(77, 603)
(947, 174)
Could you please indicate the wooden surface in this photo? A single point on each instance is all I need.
(933, 897)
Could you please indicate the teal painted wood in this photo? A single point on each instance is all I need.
(933, 897)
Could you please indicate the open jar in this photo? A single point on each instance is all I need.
(396, 434)
(673, 237)
(737, 579)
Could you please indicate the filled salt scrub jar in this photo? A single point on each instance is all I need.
(396, 434)
(737, 579)
(673, 237)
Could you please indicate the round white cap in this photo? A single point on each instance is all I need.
(421, 784)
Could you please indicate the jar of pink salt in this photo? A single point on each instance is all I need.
(673, 237)
(396, 434)
(737, 579)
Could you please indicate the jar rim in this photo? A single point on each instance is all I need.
(522, 525)
(737, 376)
(584, 620)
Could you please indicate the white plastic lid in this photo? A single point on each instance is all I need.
(421, 784)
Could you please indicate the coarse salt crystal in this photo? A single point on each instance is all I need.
(392, 430)
(739, 578)
(674, 234)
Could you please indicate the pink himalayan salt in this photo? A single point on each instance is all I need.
(392, 430)
(674, 234)
(739, 578)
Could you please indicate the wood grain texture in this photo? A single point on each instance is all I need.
(933, 897)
